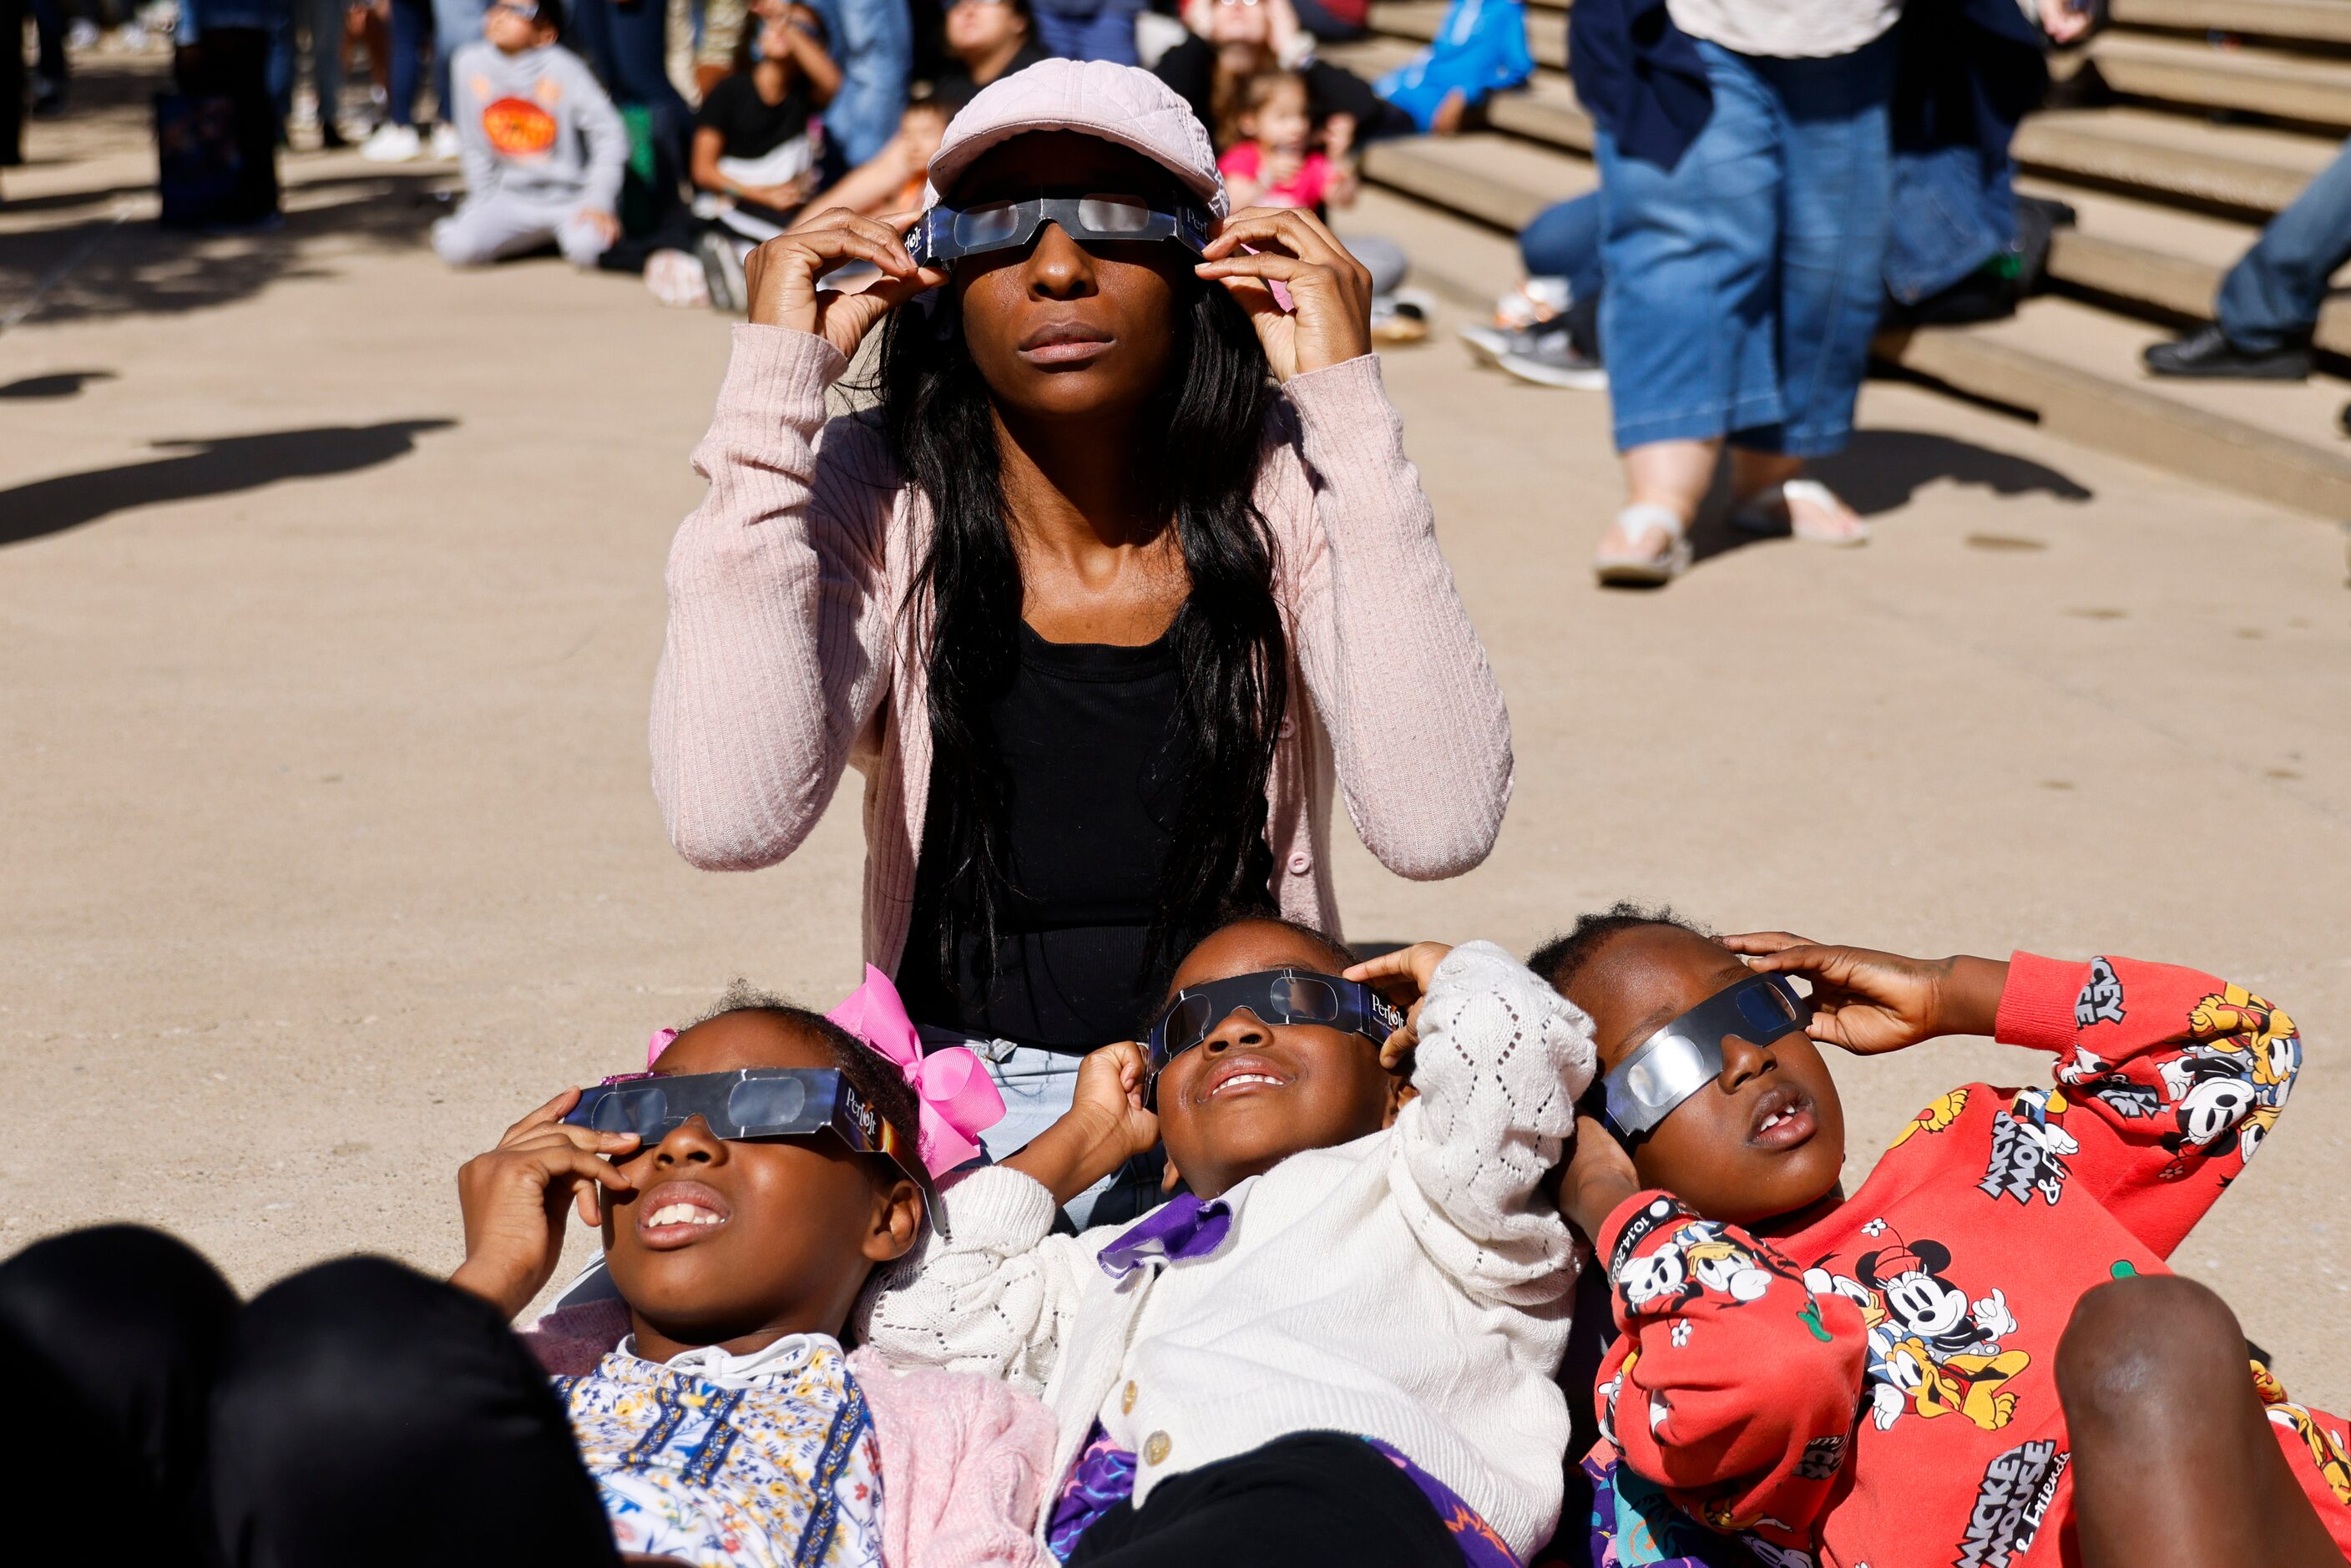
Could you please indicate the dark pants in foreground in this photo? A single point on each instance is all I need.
(355, 1416)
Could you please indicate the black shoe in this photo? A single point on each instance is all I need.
(2207, 352)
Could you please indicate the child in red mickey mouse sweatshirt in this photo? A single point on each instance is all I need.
(1979, 1358)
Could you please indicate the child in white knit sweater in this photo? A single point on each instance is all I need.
(1339, 1345)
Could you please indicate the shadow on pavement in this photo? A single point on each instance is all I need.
(57, 384)
(216, 465)
(1882, 469)
(139, 267)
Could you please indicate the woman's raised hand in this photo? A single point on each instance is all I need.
(1330, 321)
(781, 277)
(1869, 1002)
(514, 1197)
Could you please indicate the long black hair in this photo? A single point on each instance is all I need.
(1205, 438)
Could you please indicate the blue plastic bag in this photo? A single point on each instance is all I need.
(1480, 50)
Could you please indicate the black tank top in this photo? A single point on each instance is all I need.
(1095, 759)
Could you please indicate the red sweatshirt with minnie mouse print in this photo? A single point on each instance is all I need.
(1877, 1387)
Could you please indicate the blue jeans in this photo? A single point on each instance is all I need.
(2270, 298)
(1104, 32)
(626, 44)
(455, 23)
(1743, 284)
(1563, 241)
(875, 42)
(412, 31)
(1954, 209)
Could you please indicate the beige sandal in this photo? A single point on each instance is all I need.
(1768, 511)
(1660, 552)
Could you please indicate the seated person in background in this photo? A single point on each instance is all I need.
(1338, 1346)
(755, 155)
(2033, 1384)
(892, 181)
(985, 39)
(1088, 29)
(542, 147)
(1231, 41)
(1270, 158)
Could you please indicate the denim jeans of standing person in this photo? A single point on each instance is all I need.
(1743, 283)
(872, 41)
(2270, 299)
(1088, 29)
(1954, 208)
(412, 34)
(326, 58)
(455, 23)
(626, 44)
(1563, 241)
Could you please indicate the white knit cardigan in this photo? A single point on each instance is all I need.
(1411, 1286)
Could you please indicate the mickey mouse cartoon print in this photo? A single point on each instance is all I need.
(1935, 1350)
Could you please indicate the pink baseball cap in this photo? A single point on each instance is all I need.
(1124, 104)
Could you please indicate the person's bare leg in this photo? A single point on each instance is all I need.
(2174, 1463)
(1752, 473)
(1673, 474)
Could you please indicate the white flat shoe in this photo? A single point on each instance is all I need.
(1660, 552)
(1767, 510)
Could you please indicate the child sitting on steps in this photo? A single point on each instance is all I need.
(1338, 1347)
(1979, 1356)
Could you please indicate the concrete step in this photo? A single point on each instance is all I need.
(2160, 259)
(2255, 168)
(2311, 21)
(1495, 179)
(2071, 365)
(2076, 369)
(2276, 84)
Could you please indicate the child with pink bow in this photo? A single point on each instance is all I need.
(714, 1406)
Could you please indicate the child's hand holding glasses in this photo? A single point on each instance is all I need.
(1869, 1002)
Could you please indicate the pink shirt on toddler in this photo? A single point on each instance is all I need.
(1306, 188)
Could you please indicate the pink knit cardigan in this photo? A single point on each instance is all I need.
(787, 658)
(966, 1460)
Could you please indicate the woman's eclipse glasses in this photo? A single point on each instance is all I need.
(1686, 1055)
(1274, 997)
(947, 234)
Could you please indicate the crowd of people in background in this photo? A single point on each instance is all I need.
(667, 138)
(1777, 183)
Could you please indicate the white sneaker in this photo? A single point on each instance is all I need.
(445, 141)
(393, 144)
(1532, 302)
(675, 278)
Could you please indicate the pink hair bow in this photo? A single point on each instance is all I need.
(958, 1099)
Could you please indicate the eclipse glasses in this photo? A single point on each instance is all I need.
(946, 233)
(750, 1104)
(1274, 997)
(1686, 1055)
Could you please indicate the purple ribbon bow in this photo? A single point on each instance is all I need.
(1180, 1227)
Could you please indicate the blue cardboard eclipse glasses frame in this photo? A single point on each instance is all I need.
(1686, 1055)
(1274, 997)
(947, 234)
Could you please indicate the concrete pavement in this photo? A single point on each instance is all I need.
(329, 613)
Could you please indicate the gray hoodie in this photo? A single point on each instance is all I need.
(537, 125)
